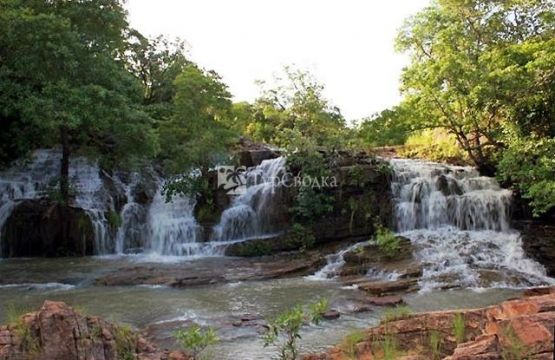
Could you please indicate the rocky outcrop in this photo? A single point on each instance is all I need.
(514, 329)
(58, 332)
(538, 241)
(44, 228)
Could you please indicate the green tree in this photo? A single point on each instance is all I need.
(296, 103)
(196, 137)
(61, 77)
(455, 77)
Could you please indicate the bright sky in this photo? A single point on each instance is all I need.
(347, 45)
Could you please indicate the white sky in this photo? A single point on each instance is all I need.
(347, 45)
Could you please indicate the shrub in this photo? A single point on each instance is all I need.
(195, 340)
(301, 236)
(388, 243)
(287, 325)
(459, 328)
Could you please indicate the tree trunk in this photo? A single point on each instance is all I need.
(64, 169)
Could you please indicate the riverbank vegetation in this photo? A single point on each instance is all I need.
(479, 90)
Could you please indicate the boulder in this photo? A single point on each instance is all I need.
(59, 332)
(44, 228)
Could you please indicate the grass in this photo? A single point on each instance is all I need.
(349, 344)
(396, 313)
(512, 347)
(126, 342)
(459, 328)
(14, 317)
(390, 348)
(435, 344)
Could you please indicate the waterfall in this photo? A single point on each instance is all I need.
(459, 223)
(172, 227)
(32, 179)
(252, 214)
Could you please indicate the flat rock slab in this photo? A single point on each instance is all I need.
(385, 300)
(388, 287)
(211, 271)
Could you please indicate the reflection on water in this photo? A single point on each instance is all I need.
(28, 283)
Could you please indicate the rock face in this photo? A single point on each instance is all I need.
(538, 240)
(514, 329)
(58, 332)
(43, 228)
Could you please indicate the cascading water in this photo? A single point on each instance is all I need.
(32, 179)
(458, 222)
(252, 213)
(172, 227)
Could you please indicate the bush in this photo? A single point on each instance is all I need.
(287, 325)
(195, 340)
(300, 236)
(388, 243)
(530, 165)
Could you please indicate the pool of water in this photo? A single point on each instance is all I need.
(161, 310)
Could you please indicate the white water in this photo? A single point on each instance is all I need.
(251, 213)
(32, 179)
(459, 223)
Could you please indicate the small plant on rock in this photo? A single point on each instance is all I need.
(435, 344)
(349, 344)
(396, 313)
(512, 346)
(195, 340)
(387, 242)
(459, 328)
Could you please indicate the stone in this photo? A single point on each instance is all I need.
(387, 287)
(331, 315)
(385, 300)
(58, 332)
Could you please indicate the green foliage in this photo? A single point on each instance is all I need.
(530, 164)
(114, 219)
(388, 243)
(349, 344)
(300, 236)
(14, 317)
(61, 78)
(434, 145)
(435, 344)
(459, 328)
(284, 330)
(126, 342)
(196, 340)
(390, 127)
(389, 347)
(296, 105)
(396, 313)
